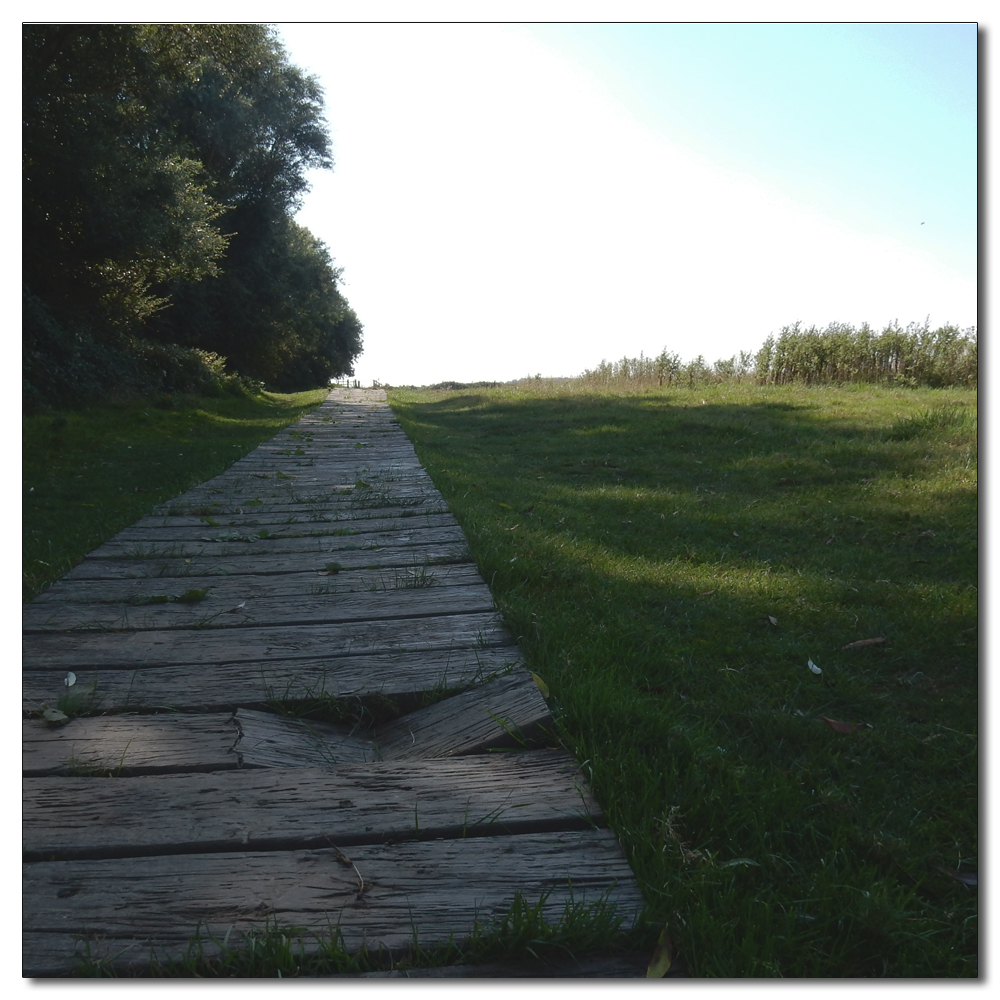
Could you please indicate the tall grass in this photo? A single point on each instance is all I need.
(839, 354)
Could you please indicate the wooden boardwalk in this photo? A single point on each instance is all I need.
(322, 564)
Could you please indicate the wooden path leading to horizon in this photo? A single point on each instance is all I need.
(322, 565)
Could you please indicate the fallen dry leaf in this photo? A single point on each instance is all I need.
(812, 666)
(865, 642)
(542, 686)
(662, 958)
(772, 619)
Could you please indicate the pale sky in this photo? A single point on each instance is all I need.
(518, 199)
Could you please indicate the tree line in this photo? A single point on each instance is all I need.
(162, 167)
(916, 355)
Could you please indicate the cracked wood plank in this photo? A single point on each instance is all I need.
(159, 744)
(434, 891)
(506, 712)
(304, 807)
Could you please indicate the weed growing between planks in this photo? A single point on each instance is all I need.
(670, 561)
(89, 473)
(526, 930)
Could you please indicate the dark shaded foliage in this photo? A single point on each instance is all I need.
(162, 165)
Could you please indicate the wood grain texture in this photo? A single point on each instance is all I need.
(506, 712)
(263, 562)
(408, 602)
(129, 650)
(433, 891)
(314, 543)
(306, 525)
(303, 807)
(126, 745)
(255, 682)
(239, 587)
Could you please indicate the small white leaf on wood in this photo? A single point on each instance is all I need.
(70, 679)
(54, 715)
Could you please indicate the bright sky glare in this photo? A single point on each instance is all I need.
(518, 199)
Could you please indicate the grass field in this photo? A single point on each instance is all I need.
(88, 473)
(672, 562)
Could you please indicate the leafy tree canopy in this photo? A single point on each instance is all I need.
(162, 165)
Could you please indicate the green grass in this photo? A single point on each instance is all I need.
(525, 931)
(639, 546)
(89, 473)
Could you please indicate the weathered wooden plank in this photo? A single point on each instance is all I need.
(363, 450)
(320, 512)
(269, 740)
(160, 744)
(507, 712)
(253, 683)
(259, 561)
(303, 807)
(129, 744)
(331, 501)
(432, 892)
(320, 499)
(166, 529)
(306, 609)
(239, 587)
(305, 484)
(314, 543)
(127, 650)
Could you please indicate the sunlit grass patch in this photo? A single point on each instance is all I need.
(671, 562)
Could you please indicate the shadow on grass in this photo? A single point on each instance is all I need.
(669, 567)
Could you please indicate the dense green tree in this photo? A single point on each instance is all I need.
(162, 165)
(275, 312)
(112, 204)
